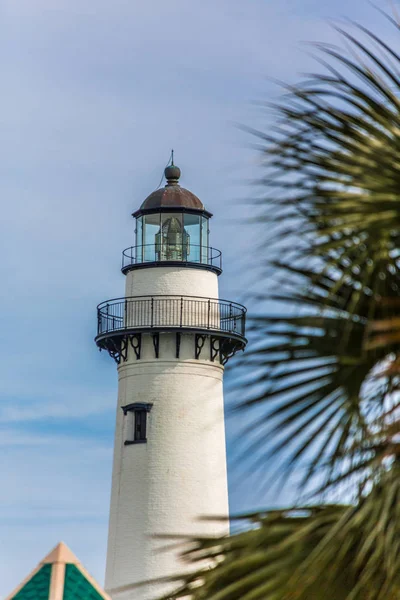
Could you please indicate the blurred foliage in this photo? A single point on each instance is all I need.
(324, 371)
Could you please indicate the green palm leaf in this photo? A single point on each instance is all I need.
(323, 377)
(332, 551)
(319, 389)
(324, 372)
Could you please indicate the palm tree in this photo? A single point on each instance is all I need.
(325, 371)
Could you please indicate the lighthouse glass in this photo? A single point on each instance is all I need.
(204, 240)
(139, 239)
(171, 240)
(151, 227)
(172, 236)
(192, 229)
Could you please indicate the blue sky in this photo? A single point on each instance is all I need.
(94, 95)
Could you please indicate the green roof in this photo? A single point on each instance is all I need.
(77, 586)
(38, 587)
(59, 576)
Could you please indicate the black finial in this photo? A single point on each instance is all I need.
(172, 172)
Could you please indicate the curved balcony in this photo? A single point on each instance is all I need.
(155, 255)
(127, 318)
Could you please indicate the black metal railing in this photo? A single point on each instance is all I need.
(185, 253)
(171, 312)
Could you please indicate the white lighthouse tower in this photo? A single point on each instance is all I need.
(171, 336)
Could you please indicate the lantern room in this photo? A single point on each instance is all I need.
(172, 227)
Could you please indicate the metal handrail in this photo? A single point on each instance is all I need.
(153, 253)
(171, 312)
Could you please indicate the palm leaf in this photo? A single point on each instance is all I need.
(258, 563)
(324, 372)
(317, 390)
(322, 379)
(328, 551)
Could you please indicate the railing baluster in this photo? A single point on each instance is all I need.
(170, 311)
(197, 253)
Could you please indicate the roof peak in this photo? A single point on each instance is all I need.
(61, 554)
(58, 573)
(172, 174)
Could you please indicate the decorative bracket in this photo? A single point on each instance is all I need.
(156, 344)
(123, 353)
(118, 349)
(178, 345)
(221, 348)
(215, 348)
(229, 347)
(199, 341)
(136, 343)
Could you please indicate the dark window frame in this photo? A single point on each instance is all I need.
(140, 411)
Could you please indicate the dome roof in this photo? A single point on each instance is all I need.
(172, 195)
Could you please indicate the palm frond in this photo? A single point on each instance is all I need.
(328, 551)
(318, 391)
(333, 168)
(324, 372)
(256, 564)
(333, 160)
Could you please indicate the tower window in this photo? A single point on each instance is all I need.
(136, 414)
(140, 426)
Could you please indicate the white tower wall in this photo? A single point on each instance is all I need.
(177, 281)
(170, 336)
(166, 486)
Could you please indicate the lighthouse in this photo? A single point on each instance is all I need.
(171, 337)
